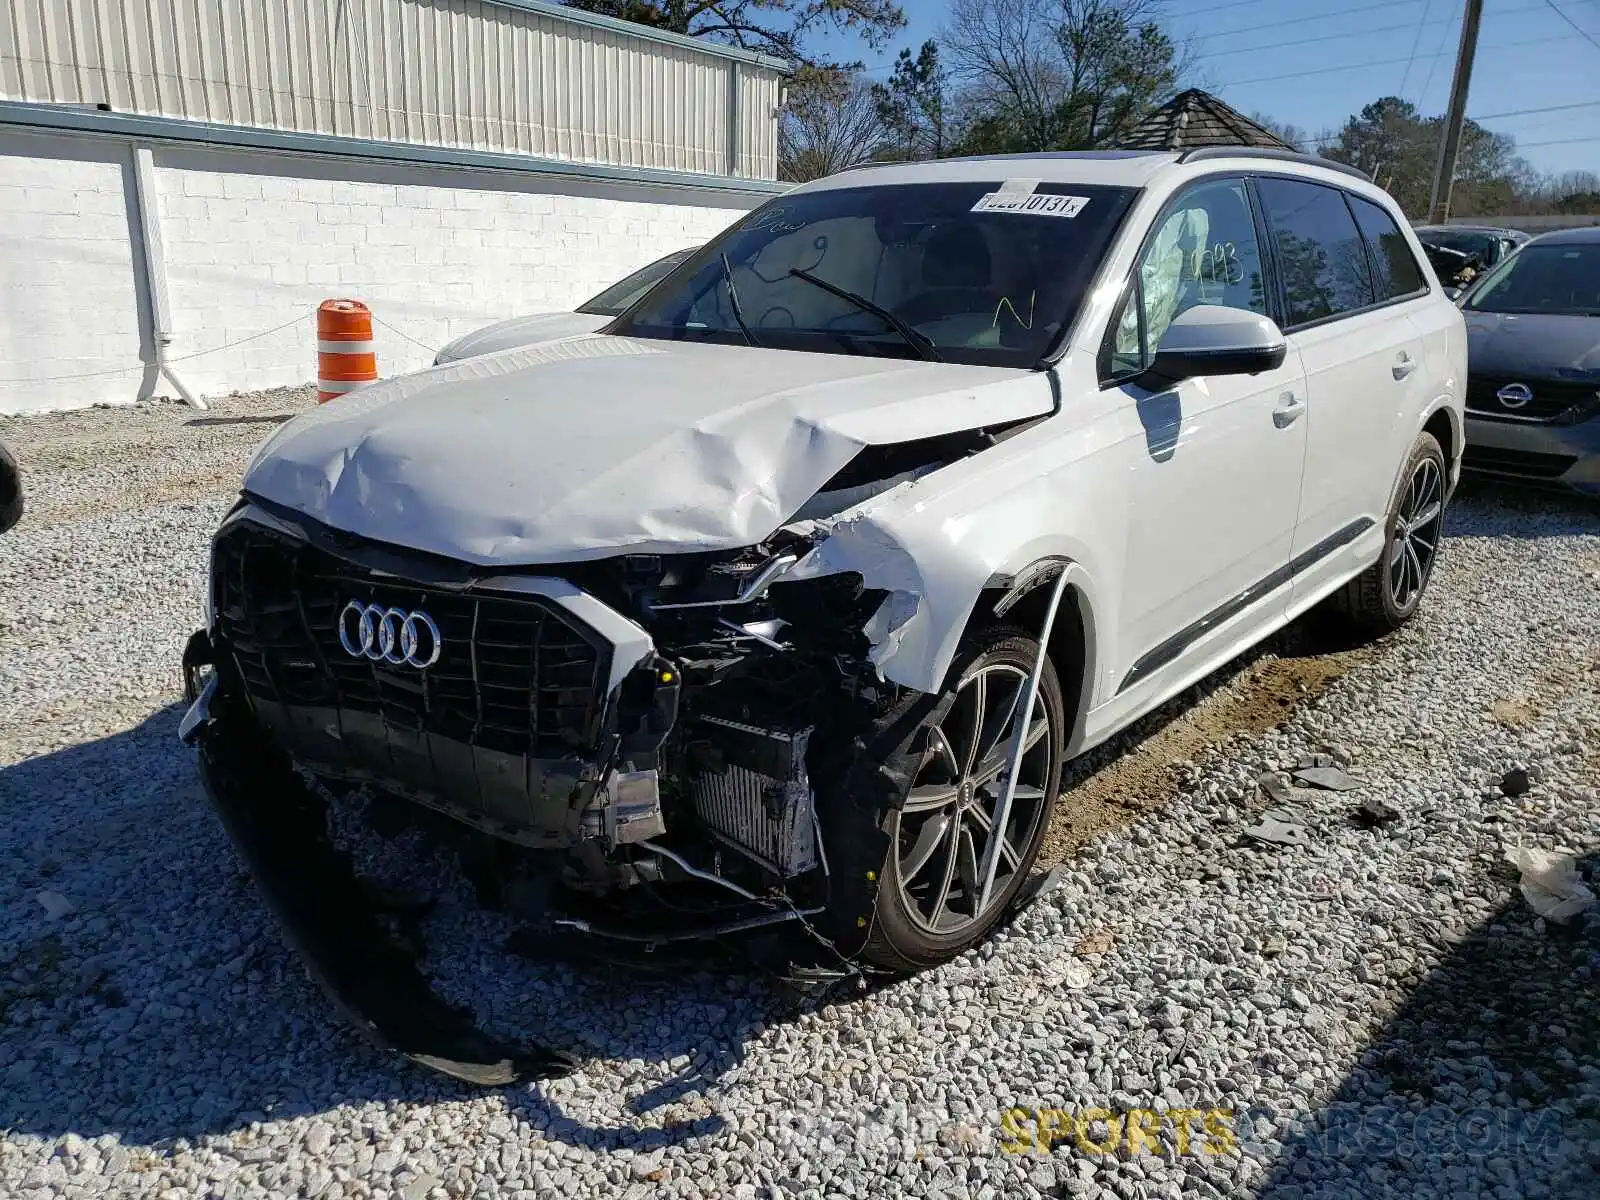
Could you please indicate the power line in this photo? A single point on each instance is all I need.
(1379, 62)
(1200, 12)
(1325, 139)
(1530, 112)
(1557, 142)
(1498, 12)
(1348, 12)
(1582, 32)
(1416, 44)
(1444, 40)
(1326, 37)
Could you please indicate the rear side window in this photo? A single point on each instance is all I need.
(1322, 260)
(1397, 270)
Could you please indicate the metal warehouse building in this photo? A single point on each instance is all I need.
(206, 171)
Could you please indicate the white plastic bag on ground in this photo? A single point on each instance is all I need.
(1550, 883)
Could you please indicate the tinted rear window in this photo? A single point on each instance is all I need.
(1322, 260)
(1398, 273)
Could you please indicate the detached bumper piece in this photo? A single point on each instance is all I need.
(337, 925)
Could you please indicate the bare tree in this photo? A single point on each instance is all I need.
(1004, 51)
(780, 27)
(1060, 74)
(830, 123)
(1300, 139)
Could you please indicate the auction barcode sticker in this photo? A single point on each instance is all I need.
(1018, 196)
(1038, 204)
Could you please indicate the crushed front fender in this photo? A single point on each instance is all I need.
(279, 825)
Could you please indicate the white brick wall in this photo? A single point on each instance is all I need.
(254, 242)
(68, 304)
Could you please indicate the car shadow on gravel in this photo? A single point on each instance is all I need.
(145, 990)
(1486, 1081)
(1485, 507)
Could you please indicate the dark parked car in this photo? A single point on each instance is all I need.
(1533, 388)
(1479, 247)
(10, 490)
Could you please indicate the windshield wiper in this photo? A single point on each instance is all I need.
(920, 342)
(733, 301)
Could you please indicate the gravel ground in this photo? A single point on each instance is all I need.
(1374, 1013)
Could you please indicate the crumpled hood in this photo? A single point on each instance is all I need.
(1540, 346)
(520, 331)
(585, 447)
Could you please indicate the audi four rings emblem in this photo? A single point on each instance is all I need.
(389, 635)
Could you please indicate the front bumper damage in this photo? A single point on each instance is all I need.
(361, 942)
(714, 742)
(342, 930)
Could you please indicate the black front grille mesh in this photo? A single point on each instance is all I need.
(515, 674)
(1553, 403)
(1524, 463)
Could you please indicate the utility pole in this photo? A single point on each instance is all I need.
(1439, 207)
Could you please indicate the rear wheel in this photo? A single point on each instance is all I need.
(1386, 595)
(930, 855)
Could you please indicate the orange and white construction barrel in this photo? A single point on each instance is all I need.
(346, 359)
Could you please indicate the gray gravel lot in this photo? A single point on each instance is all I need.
(1378, 1013)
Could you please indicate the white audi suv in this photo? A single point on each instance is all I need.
(774, 608)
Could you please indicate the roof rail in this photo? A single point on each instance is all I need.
(1198, 153)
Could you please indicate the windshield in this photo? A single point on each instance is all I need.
(624, 292)
(959, 272)
(1543, 279)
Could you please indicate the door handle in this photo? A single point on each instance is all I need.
(1288, 411)
(1404, 364)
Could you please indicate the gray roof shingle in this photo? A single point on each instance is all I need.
(1196, 118)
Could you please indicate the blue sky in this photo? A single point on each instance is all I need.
(1274, 56)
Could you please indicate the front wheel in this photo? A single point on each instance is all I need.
(10, 490)
(1386, 595)
(944, 865)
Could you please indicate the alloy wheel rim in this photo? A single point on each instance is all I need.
(1416, 534)
(946, 826)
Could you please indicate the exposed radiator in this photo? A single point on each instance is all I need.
(760, 800)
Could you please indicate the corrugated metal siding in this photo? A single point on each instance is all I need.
(435, 72)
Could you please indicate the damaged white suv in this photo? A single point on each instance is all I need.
(778, 604)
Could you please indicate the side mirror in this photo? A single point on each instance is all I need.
(1211, 339)
(1454, 293)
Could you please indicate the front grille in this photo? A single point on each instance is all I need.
(1554, 402)
(1521, 463)
(515, 675)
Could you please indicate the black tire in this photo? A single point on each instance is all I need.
(885, 812)
(10, 490)
(1387, 594)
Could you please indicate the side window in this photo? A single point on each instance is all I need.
(1397, 270)
(1203, 251)
(1321, 258)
